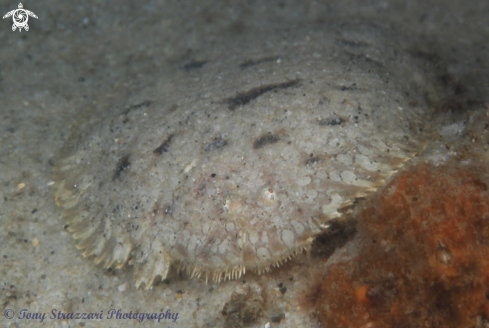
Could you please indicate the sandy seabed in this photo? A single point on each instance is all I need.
(89, 56)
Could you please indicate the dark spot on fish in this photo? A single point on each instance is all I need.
(348, 88)
(245, 97)
(169, 209)
(250, 62)
(215, 144)
(265, 140)
(194, 65)
(313, 160)
(331, 121)
(165, 146)
(145, 103)
(122, 166)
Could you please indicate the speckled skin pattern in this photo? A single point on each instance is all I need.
(237, 160)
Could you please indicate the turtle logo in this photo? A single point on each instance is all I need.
(20, 17)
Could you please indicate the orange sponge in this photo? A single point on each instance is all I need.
(426, 259)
